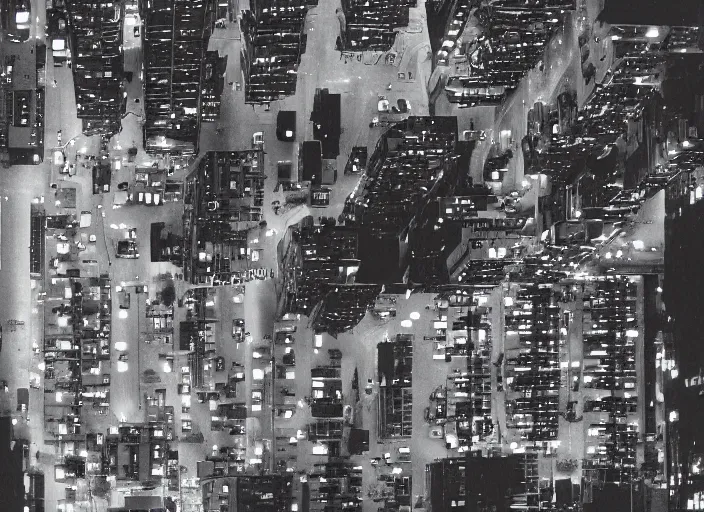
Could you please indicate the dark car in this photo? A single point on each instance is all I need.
(123, 186)
(127, 249)
(219, 364)
(289, 357)
(238, 333)
(63, 309)
(286, 125)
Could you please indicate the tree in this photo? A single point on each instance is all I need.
(100, 487)
(355, 380)
(168, 294)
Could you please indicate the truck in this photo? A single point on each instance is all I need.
(86, 219)
(23, 400)
(326, 117)
(286, 125)
(311, 161)
(59, 43)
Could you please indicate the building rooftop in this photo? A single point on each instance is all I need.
(653, 12)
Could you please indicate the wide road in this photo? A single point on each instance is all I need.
(19, 185)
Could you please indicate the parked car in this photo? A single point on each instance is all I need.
(219, 364)
(257, 399)
(153, 199)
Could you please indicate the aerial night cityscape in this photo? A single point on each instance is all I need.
(351, 255)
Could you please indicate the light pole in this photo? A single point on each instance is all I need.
(272, 464)
(139, 362)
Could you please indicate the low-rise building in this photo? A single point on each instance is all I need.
(247, 493)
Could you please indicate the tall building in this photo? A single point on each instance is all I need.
(682, 292)
(415, 162)
(372, 25)
(474, 483)
(176, 35)
(273, 41)
(98, 66)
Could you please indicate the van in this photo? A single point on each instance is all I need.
(285, 327)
